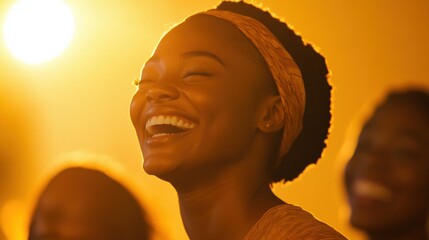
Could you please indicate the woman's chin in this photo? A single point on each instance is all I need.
(159, 168)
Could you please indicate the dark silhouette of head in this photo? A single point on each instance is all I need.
(81, 203)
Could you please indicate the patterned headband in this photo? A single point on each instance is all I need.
(283, 68)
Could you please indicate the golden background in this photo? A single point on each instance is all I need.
(79, 100)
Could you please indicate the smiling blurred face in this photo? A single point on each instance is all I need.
(387, 178)
(197, 103)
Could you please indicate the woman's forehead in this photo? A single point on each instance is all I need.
(209, 25)
(207, 32)
(401, 117)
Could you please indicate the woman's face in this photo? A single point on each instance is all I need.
(67, 211)
(198, 99)
(387, 178)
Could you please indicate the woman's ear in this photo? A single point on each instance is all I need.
(273, 115)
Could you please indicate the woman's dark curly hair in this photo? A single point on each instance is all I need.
(308, 146)
(414, 96)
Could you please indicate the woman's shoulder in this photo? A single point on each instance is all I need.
(287, 221)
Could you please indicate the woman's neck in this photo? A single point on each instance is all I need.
(224, 201)
(225, 209)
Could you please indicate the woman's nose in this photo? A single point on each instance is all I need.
(161, 92)
(372, 162)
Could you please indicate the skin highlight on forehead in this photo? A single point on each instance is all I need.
(231, 38)
(237, 37)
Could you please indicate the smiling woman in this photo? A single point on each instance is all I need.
(387, 177)
(36, 31)
(230, 101)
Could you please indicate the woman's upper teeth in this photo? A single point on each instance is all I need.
(371, 189)
(169, 120)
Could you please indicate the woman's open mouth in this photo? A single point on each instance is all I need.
(162, 125)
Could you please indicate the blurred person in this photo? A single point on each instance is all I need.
(231, 101)
(86, 204)
(387, 178)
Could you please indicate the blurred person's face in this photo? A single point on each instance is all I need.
(66, 212)
(387, 178)
(195, 110)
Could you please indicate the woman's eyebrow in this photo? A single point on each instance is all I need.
(203, 54)
(416, 136)
(152, 59)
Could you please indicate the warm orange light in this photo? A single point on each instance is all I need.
(13, 219)
(36, 31)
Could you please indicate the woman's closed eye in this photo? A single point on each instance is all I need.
(196, 73)
(406, 152)
(364, 146)
(139, 81)
(146, 80)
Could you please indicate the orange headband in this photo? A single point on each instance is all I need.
(283, 68)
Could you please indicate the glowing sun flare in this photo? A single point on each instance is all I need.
(36, 31)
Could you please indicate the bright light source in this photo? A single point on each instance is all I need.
(36, 31)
